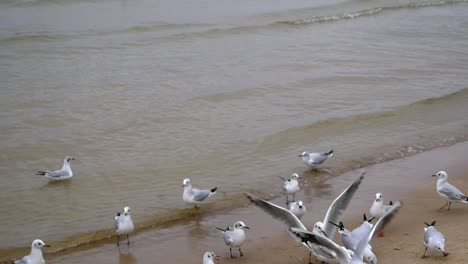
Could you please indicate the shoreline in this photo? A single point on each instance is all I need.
(268, 241)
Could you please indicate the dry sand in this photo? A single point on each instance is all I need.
(408, 179)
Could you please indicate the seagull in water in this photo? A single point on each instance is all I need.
(378, 209)
(64, 173)
(314, 159)
(344, 255)
(291, 186)
(334, 214)
(123, 224)
(35, 257)
(236, 237)
(448, 191)
(210, 258)
(433, 239)
(297, 208)
(194, 196)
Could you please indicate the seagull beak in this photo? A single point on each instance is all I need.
(46, 245)
(72, 158)
(434, 175)
(247, 227)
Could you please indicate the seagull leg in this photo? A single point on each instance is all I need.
(128, 240)
(241, 254)
(196, 207)
(443, 206)
(381, 233)
(450, 203)
(424, 255)
(230, 251)
(310, 257)
(294, 196)
(118, 240)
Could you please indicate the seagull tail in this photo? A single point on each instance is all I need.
(465, 199)
(214, 190)
(42, 173)
(329, 153)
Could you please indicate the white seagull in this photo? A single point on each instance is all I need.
(314, 159)
(194, 196)
(448, 191)
(433, 239)
(64, 173)
(291, 186)
(378, 208)
(210, 257)
(35, 257)
(351, 242)
(334, 214)
(123, 224)
(362, 230)
(297, 208)
(344, 255)
(236, 237)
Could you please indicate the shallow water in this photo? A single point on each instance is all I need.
(145, 93)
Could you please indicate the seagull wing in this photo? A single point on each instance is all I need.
(383, 221)
(277, 212)
(309, 237)
(338, 207)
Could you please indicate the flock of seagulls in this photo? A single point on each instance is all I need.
(356, 247)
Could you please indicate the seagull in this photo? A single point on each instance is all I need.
(378, 208)
(314, 159)
(334, 214)
(194, 196)
(448, 191)
(210, 257)
(35, 257)
(123, 224)
(291, 186)
(433, 239)
(362, 230)
(297, 208)
(236, 237)
(64, 173)
(344, 255)
(350, 242)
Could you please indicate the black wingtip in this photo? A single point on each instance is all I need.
(431, 224)
(214, 189)
(41, 173)
(364, 217)
(329, 152)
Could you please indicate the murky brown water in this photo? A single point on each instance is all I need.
(143, 96)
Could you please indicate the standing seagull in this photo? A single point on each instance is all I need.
(35, 257)
(342, 253)
(313, 160)
(378, 209)
(448, 191)
(334, 214)
(297, 208)
(64, 173)
(210, 257)
(194, 196)
(123, 224)
(236, 237)
(291, 186)
(433, 239)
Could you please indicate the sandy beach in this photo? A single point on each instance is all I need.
(408, 179)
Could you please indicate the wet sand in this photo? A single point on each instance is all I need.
(408, 179)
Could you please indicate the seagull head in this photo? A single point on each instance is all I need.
(68, 159)
(318, 229)
(186, 182)
(295, 176)
(300, 204)
(441, 175)
(378, 197)
(304, 154)
(371, 258)
(39, 244)
(240, 225)
(126, 210)
(210, 256)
